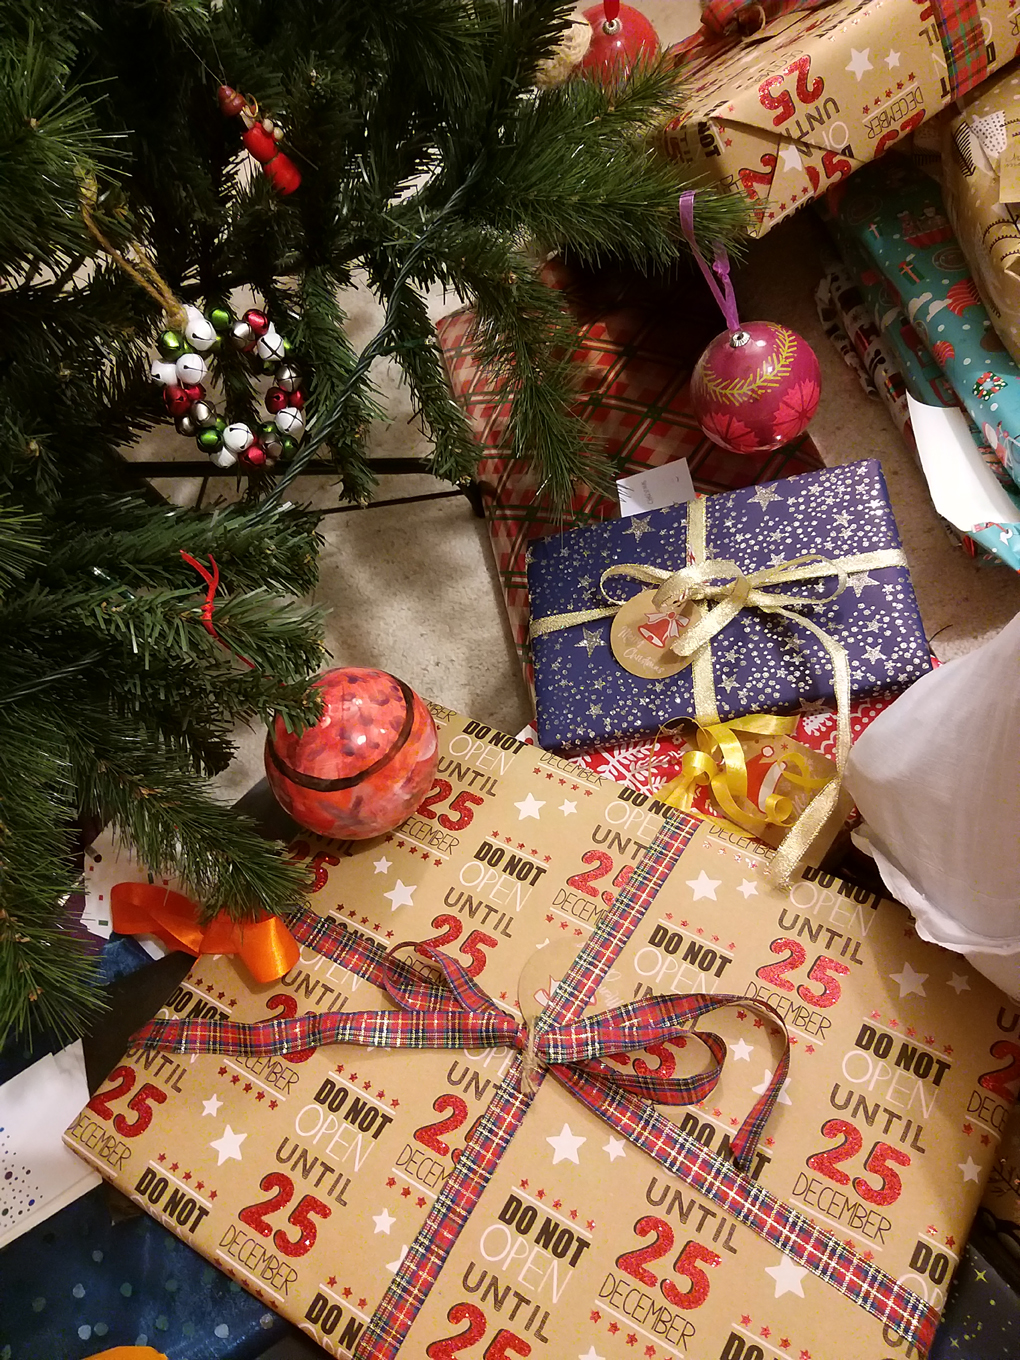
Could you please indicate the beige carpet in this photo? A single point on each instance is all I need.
(412, 589)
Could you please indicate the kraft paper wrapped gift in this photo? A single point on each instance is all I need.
(638, 347)
(815, 96)
(759, 663)
(473, 1172)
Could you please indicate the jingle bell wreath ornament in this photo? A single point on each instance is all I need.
(758, 384)
(181, 370)
(367, 763)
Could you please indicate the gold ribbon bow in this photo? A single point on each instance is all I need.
(725, 589)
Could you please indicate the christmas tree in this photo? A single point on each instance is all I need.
(425, 155)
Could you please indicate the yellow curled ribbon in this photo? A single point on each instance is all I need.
(720, 765)
(725, 589)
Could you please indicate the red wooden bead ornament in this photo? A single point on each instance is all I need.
(261, 138)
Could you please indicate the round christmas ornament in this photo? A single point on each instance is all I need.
(569, 51)
(621, 36)
(757, 385)
(367, 763)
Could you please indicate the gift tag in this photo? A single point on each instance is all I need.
(641, 636)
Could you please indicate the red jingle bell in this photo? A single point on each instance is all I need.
(254, 455)
(365, 766)
(276, 400)
(193, 391)
(621, 37)
(260, 143)
(283, 174)
(258, 321)
(296, 399)
(177, 401)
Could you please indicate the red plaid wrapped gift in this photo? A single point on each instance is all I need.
(634, 366)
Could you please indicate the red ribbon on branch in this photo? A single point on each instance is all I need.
(212, 580)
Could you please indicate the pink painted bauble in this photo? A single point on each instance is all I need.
(618, 40)
(756, 388)
(367, 763)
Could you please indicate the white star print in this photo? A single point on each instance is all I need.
(788, 1277)
(742, 1051)
(859, 63)
(791, 157)
(970, 1169)
(892, 59)
(564, 1145)
(567, 807)
(637, 528)
(529, 807)
(748, 888)
(764, 495)
(616, 1147)
(590, 1354)
(400, 896)
(874, 654)
(394, 1266)
(382, 866)
(861, 580)
(591, 640)
(703, 886)
(383, 1221)
(910, 981)
(784, 1099)
(211, 1106)
(959, 983)
(228, 1146)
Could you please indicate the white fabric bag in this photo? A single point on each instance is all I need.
(936, 778)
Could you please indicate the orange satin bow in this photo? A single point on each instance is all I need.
(267, 947)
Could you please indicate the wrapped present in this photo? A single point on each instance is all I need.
(814, 96)
(981, 181)
(595, 682)
(566, 1164)
(939, 346)
(637, 352)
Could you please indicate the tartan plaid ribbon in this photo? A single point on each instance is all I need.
(426, 1012)
(427, 1019)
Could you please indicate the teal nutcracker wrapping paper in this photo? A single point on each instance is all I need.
(426, 1203)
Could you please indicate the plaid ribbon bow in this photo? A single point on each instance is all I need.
(426, 1019)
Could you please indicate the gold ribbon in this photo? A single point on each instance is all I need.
(725, 590)
(720, 764)
(266, 946)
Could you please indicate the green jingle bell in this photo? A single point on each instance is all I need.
(171, 345)
(209, 440)
(221, 319)
(288, 446)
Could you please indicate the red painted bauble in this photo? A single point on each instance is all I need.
(756, 388)
(276, 400)
(367, 763)
(258, 321)
(260, 143)
(283, 174)
(617, 43)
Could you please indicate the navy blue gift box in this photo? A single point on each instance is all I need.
(761, 662)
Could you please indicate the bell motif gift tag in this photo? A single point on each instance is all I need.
(643, 633)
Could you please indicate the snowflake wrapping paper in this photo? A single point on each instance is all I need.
(762, 664)
(419, 1202)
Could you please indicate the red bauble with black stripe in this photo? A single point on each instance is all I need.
(367, 763)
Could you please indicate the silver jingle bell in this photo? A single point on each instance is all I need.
(272, 445)
(241, 335)
(288, 377)
(203, 413)
(187, 425)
